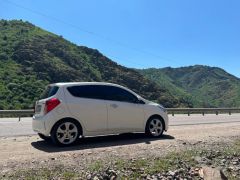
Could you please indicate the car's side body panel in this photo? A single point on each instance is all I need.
(97, 117)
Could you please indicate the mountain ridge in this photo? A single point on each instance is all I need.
(206, 86)
(31, 58)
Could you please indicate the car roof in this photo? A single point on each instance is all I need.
(82, 83)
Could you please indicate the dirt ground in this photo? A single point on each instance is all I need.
(31, 152)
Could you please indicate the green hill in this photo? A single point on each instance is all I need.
(31, 58)
(204, 86)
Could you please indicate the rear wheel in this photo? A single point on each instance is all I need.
(155, 127)
(65, 133)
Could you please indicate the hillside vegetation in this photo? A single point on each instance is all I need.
(204, 86)
(31, 58)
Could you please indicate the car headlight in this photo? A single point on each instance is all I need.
(162, 108)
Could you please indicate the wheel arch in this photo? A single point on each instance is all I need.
(68, 118)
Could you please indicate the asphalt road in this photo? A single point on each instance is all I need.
(12, 127)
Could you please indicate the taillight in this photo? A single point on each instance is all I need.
(51, 104)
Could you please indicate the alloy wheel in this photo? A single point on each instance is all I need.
(67, 133)
(155, 127)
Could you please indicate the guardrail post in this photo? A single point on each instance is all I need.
(230, 112)
(188, 113)
(19, 118)
(172, 113)
(203, 113)
(216, 112)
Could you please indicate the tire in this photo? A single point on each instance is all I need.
(154, 127)
(65, 132)
(43, 137)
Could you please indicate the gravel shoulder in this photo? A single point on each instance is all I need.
(30, 152)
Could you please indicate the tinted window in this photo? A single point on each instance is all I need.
(119, 94)
(102, 92)
(49, 91)
(87, 91)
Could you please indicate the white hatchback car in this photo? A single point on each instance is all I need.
(68, 111)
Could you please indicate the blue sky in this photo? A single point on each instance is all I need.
(143, 33)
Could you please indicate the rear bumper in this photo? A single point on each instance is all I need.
(42, 124)
(38, 125)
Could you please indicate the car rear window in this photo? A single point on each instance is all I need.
(49, 91)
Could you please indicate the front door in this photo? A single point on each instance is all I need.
(124, 117)
(124, 113)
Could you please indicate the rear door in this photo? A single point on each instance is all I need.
(124, 113)
(85, 102)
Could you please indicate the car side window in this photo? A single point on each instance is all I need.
(118, 94)
(102, 92)
(87, 91)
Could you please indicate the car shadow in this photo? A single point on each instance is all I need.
(99, 142)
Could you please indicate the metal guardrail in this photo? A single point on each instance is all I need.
(202, 111)
(17, 113)
(173, 111)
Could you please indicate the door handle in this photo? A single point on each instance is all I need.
(114, 105)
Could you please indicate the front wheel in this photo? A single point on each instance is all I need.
(65, 133)
(154, 127)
